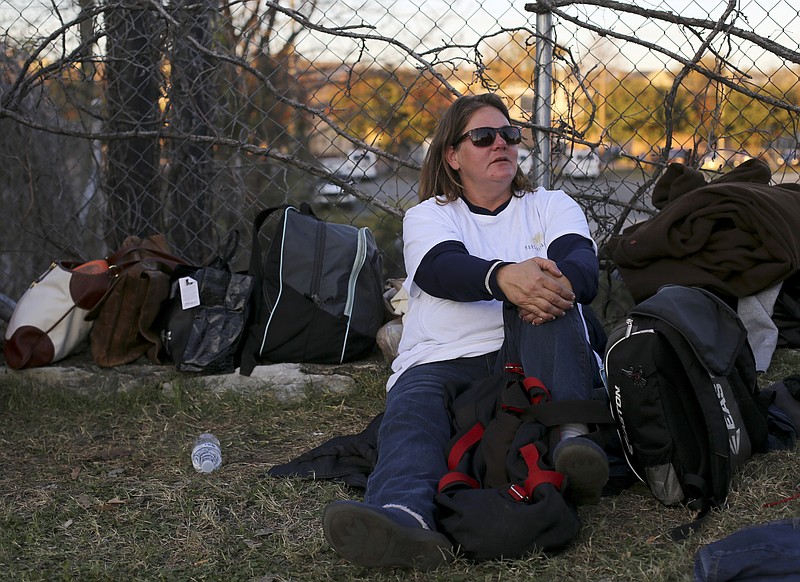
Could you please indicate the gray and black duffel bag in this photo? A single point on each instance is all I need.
(318, 292)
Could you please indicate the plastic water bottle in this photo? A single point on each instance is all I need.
(206, 454)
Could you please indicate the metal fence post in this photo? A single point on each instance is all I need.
(542, 105)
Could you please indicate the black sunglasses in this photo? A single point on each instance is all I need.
(483, 137)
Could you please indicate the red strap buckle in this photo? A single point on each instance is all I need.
(514, 368)
(518, 493)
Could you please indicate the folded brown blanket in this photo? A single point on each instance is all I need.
(734, 236)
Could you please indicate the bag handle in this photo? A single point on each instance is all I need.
(227, 249)
(258, 222)
(119, 259)
(134, 250)
(124, 258)
(222, 258)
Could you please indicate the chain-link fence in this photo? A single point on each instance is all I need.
(129, 117)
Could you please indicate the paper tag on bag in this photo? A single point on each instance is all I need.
(190, 293)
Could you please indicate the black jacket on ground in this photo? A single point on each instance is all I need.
(348, 459)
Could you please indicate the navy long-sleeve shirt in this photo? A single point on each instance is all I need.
(448, 270)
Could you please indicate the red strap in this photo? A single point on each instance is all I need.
(536, 475)
(514, 409)
(462, 445)
(514, 368)
(457, 477)
(530, 383)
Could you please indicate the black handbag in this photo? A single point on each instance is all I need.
(206, 313)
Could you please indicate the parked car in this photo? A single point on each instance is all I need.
(788, 157)
(419, 151)
(359, 164)
(723, 158)
(524, 159)
(611, 153)
(678, 156)
(331, 194)
(582, 164)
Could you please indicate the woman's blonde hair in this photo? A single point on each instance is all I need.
(437, 178)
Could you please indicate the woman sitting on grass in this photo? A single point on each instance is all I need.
(496, 272)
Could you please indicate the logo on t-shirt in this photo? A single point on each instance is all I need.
(536, 243)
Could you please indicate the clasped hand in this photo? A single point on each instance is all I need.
(538, 289)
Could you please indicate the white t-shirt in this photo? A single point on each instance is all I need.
(435, 329)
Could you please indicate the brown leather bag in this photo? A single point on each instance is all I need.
(124, 320)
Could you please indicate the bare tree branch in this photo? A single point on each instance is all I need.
(671, 17)
(792, 56)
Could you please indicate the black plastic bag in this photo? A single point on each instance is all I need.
(205, 315)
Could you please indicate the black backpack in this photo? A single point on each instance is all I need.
(681, 380)
(501, 496)
(317, 290)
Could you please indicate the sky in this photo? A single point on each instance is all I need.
(423, 24)
(431, 23)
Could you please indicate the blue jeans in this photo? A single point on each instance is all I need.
(557, 353)
(415, 429)
(764, 552)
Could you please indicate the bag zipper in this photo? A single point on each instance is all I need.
(624, 441)
(358, 264)
(272, 311)
(319, 256)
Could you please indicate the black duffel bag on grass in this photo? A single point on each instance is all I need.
(318, 292)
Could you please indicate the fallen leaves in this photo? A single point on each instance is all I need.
(111, 504)
(87, 502)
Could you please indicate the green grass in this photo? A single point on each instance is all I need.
(101, 487)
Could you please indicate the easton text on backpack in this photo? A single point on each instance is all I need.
(681, 378)
(317, 290)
